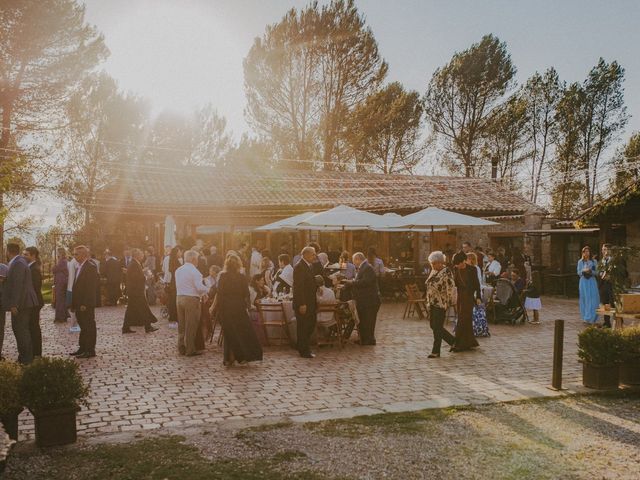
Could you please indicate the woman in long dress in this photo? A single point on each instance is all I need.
(60, 279)
(466, 278)
(480, 325)
(232, 301)
(588, 287)
(174, 264)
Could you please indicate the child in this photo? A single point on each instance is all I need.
(532, 302)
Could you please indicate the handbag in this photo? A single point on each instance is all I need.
(587, 273)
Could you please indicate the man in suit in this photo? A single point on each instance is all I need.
(19, 298)
(32, 255)
(83, 302)
(367, 296)
(113, 275)
(138, 312)
(214, 258)
(304, 300)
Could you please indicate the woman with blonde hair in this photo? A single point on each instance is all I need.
(588, 287)
(232, 302)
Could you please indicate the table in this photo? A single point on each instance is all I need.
(619, 318)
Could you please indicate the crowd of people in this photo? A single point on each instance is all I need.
(199, 287)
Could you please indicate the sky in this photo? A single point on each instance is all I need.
(182, 54)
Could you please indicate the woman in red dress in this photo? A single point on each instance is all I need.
(469, 294)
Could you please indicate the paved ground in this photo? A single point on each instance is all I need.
(139, 382)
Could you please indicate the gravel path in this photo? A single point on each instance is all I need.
(580, 437)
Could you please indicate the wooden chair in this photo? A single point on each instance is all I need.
(415, 302)
(272, 315)
(337, 334)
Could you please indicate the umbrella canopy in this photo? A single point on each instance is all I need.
(395, 219)
(343, 217)
(286, 223)
(169, 231)
(437, 217)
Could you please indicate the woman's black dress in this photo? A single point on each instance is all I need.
(240, 339)
(172, 291)
(138, 312)
(468, 288)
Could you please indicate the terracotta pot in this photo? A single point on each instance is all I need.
(10, 423)
(55, 427)
(630, 372)
(600, 377)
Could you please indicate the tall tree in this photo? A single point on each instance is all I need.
(45, 49)
(169, 141)
(505, 142)
(626, 163)
(542, 94)
(304, 77)
(384, 131)
(211, 140)
(597, 112)
(462, 95)
(105, 127)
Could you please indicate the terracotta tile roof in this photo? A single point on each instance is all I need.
(206, 189)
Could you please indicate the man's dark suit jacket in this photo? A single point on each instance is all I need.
(85, 286)
(304, 287)
(18, 287)
(365, 286)
(113, 271)
(215, 259)
(135, 280)
(36, 278)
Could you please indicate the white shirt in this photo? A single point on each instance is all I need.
(189, 281)
(256, 260)
(166, 277)
(72, 266)
(495, 268)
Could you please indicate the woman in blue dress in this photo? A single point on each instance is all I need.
(589, 296)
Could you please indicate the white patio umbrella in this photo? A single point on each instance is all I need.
(432, 217)
(286, 223)
(391, 219)
(169, 231)
(342, 218)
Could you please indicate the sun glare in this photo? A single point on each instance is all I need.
(177, 57)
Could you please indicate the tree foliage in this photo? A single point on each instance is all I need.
(461, 97)
(385, 131)
(304, 77)
(45, 49)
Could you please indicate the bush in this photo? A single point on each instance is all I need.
(600, 346)
(10, 375)
(630, 344)
(52, 383)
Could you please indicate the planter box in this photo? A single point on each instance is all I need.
(56, 427)
(629, 303)
(600, 377)
(630, 373)
(10, 423)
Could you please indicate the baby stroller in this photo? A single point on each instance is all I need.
(505, 305)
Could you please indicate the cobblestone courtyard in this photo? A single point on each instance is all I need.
(139, 382)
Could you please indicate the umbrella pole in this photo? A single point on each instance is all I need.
(344, 240)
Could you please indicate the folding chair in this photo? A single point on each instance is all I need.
(329, 310)
(415, 302)
(272, 315)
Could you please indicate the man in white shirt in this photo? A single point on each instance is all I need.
(255, 262)
(189, 289)
(493, 267)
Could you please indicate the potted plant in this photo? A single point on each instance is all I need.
(53, 390)
(10, 403)
(599, 350)
(630, 366)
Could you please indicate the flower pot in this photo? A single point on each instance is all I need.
(630, 372)
(55, 427)
(600, 377)
(10, 423)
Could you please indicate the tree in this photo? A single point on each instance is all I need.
(252, 153)
(505, 143)
(626, 163)
(597, 112)
(542, 94)
(200, 138)
(105, 127)
(45, 49)
(384, 131)
(304, 77)
(462, 95)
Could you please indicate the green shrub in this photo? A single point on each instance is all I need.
(10, 375)
(631, 344)
(51, 383)
(599, 346)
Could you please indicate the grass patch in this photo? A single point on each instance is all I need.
(154, 459)
(404, 422)
(47, 293)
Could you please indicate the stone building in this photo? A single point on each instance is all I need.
(222, 207)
